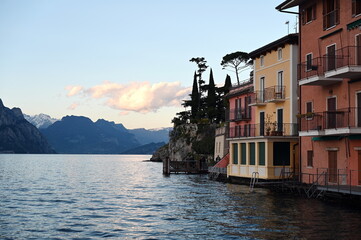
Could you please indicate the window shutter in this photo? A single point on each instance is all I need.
(324, 10)
(314, 12)
(337, 12)
(353, 8)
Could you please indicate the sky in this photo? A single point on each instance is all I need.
(125, 61)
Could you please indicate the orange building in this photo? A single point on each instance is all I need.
(329, 77)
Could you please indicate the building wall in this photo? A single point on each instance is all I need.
(268, 170)
(272, 66)
(314, 39)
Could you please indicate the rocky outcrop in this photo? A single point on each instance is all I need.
(18, 135)
(161, 154)
(188, 142)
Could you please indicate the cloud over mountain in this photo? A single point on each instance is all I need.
(136, 96)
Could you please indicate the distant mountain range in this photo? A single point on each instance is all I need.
(80, 135)
(40, 120)
(17, 135)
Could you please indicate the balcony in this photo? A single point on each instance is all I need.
(311, 125)
(275, 94)
(312, 73)
(264, 130)
(341, 121)
(238, 114)
(257, 99)
(345, 64)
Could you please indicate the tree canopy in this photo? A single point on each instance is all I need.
(236, 61)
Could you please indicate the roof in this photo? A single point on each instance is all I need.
(289, 4)
(289, 39)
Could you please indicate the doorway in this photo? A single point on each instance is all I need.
(331, 57)
(332, 166)
(331, 112)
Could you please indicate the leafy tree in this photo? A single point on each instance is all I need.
(202, 66)
(236, 61)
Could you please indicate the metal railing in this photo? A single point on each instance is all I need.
(275, 93)
(267, 129)
(334, 180)
(238, 114)
(346, 56)
(311, 68)
(341, 118)
(257, 97)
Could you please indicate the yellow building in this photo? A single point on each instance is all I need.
(270, 146)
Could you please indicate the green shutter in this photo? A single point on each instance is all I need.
(235, 153)
(243, 153)
(252, 155)
(261, 154)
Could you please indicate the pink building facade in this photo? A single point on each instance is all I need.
(329, 78)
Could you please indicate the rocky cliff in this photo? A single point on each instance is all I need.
(19, 136)
(188, 142)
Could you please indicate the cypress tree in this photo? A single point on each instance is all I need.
(194, 98)
(227, 84)
(211, 98)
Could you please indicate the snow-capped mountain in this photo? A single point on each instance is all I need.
(40, 120)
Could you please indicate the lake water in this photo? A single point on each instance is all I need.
(122, 197)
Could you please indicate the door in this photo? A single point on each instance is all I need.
(261, 89)
(280, 120)
(332, 166)
(279, 88)
(331, 57)
(331, 112)
(358, 110)
(359, 167)
(358, 50)
(238, 109)
(261, 123)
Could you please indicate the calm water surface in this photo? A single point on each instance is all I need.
(122, 197)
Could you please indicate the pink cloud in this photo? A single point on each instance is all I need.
(136, 96)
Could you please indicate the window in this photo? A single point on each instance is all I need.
(309, 14)
(243, 154)
(279, 54)
(261, 89)
(280, 79)
(331, 13)
(252, 154)
(309, 62)
(235, 153)
(261, 154)
(356, 7)
(310, 158)
(261, 59)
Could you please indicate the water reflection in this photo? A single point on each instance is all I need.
(92, 197)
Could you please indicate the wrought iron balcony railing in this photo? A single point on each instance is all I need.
(238, 114)
(267, 129)
(258, 98)
(275, 93)
(347, 56)
(341, 118)
(311, 68)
